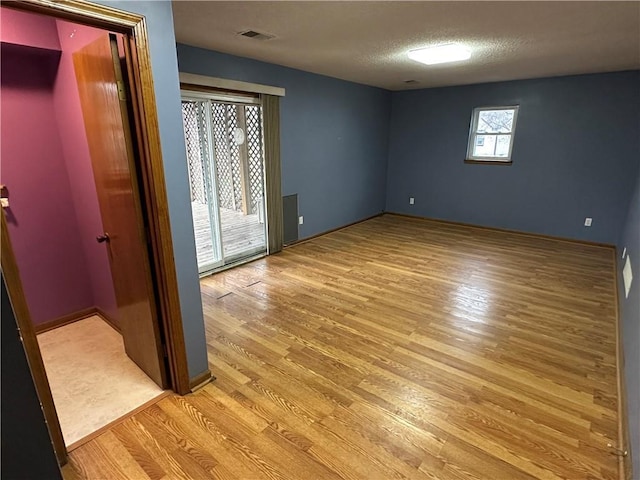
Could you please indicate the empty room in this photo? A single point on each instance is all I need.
(385, 240)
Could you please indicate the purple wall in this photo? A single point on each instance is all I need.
(42, 220)
(76, 153)
(23, 28)
(54, 214)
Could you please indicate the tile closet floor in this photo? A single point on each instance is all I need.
(92, 379)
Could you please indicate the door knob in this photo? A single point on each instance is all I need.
(103, 238)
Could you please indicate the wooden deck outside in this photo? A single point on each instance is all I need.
(242, 235)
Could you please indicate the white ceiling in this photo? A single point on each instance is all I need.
(367, 42)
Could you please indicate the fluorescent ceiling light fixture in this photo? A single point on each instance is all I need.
(451, 52)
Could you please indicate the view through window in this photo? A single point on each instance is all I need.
(492, 131)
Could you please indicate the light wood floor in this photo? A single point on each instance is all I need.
(395, 348)
(242, 235)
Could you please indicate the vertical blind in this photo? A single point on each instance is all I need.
(271, 116)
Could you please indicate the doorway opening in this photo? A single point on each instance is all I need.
(83, 211)
(225, 154)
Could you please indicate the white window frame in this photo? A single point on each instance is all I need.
(473, 134)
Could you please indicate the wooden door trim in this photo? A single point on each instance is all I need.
(157, 211)
(91, 14)
(149, 161)
(30, 341)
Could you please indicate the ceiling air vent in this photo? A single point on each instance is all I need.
(256, 35)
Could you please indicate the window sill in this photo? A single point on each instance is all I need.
(488, 162)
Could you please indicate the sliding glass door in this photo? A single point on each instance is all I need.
(196, 117)
(225, 157)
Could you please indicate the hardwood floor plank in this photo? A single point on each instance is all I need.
(174, 438)
(395, 348)
(95, 460)
(162, 456)
(246, 461)
(398, 431)
(229, 404)
(199, 432)
(146, 461)
(471, 462)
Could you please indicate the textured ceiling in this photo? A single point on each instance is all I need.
(367, 42)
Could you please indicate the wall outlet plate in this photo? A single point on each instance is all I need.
(412, 200)
(588, 221)
(300, 220)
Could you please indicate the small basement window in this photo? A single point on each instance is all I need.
(491, 135)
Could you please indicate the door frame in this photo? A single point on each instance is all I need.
(29, 341)
(153, 197)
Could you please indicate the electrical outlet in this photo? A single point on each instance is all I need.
(588, 221)
(300, 220)
(412, 200)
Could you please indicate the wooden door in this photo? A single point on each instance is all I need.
(104, 108)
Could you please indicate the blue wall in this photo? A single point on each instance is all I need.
(575, 155)
(630, 319)
(164, 65)
(334, 137)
